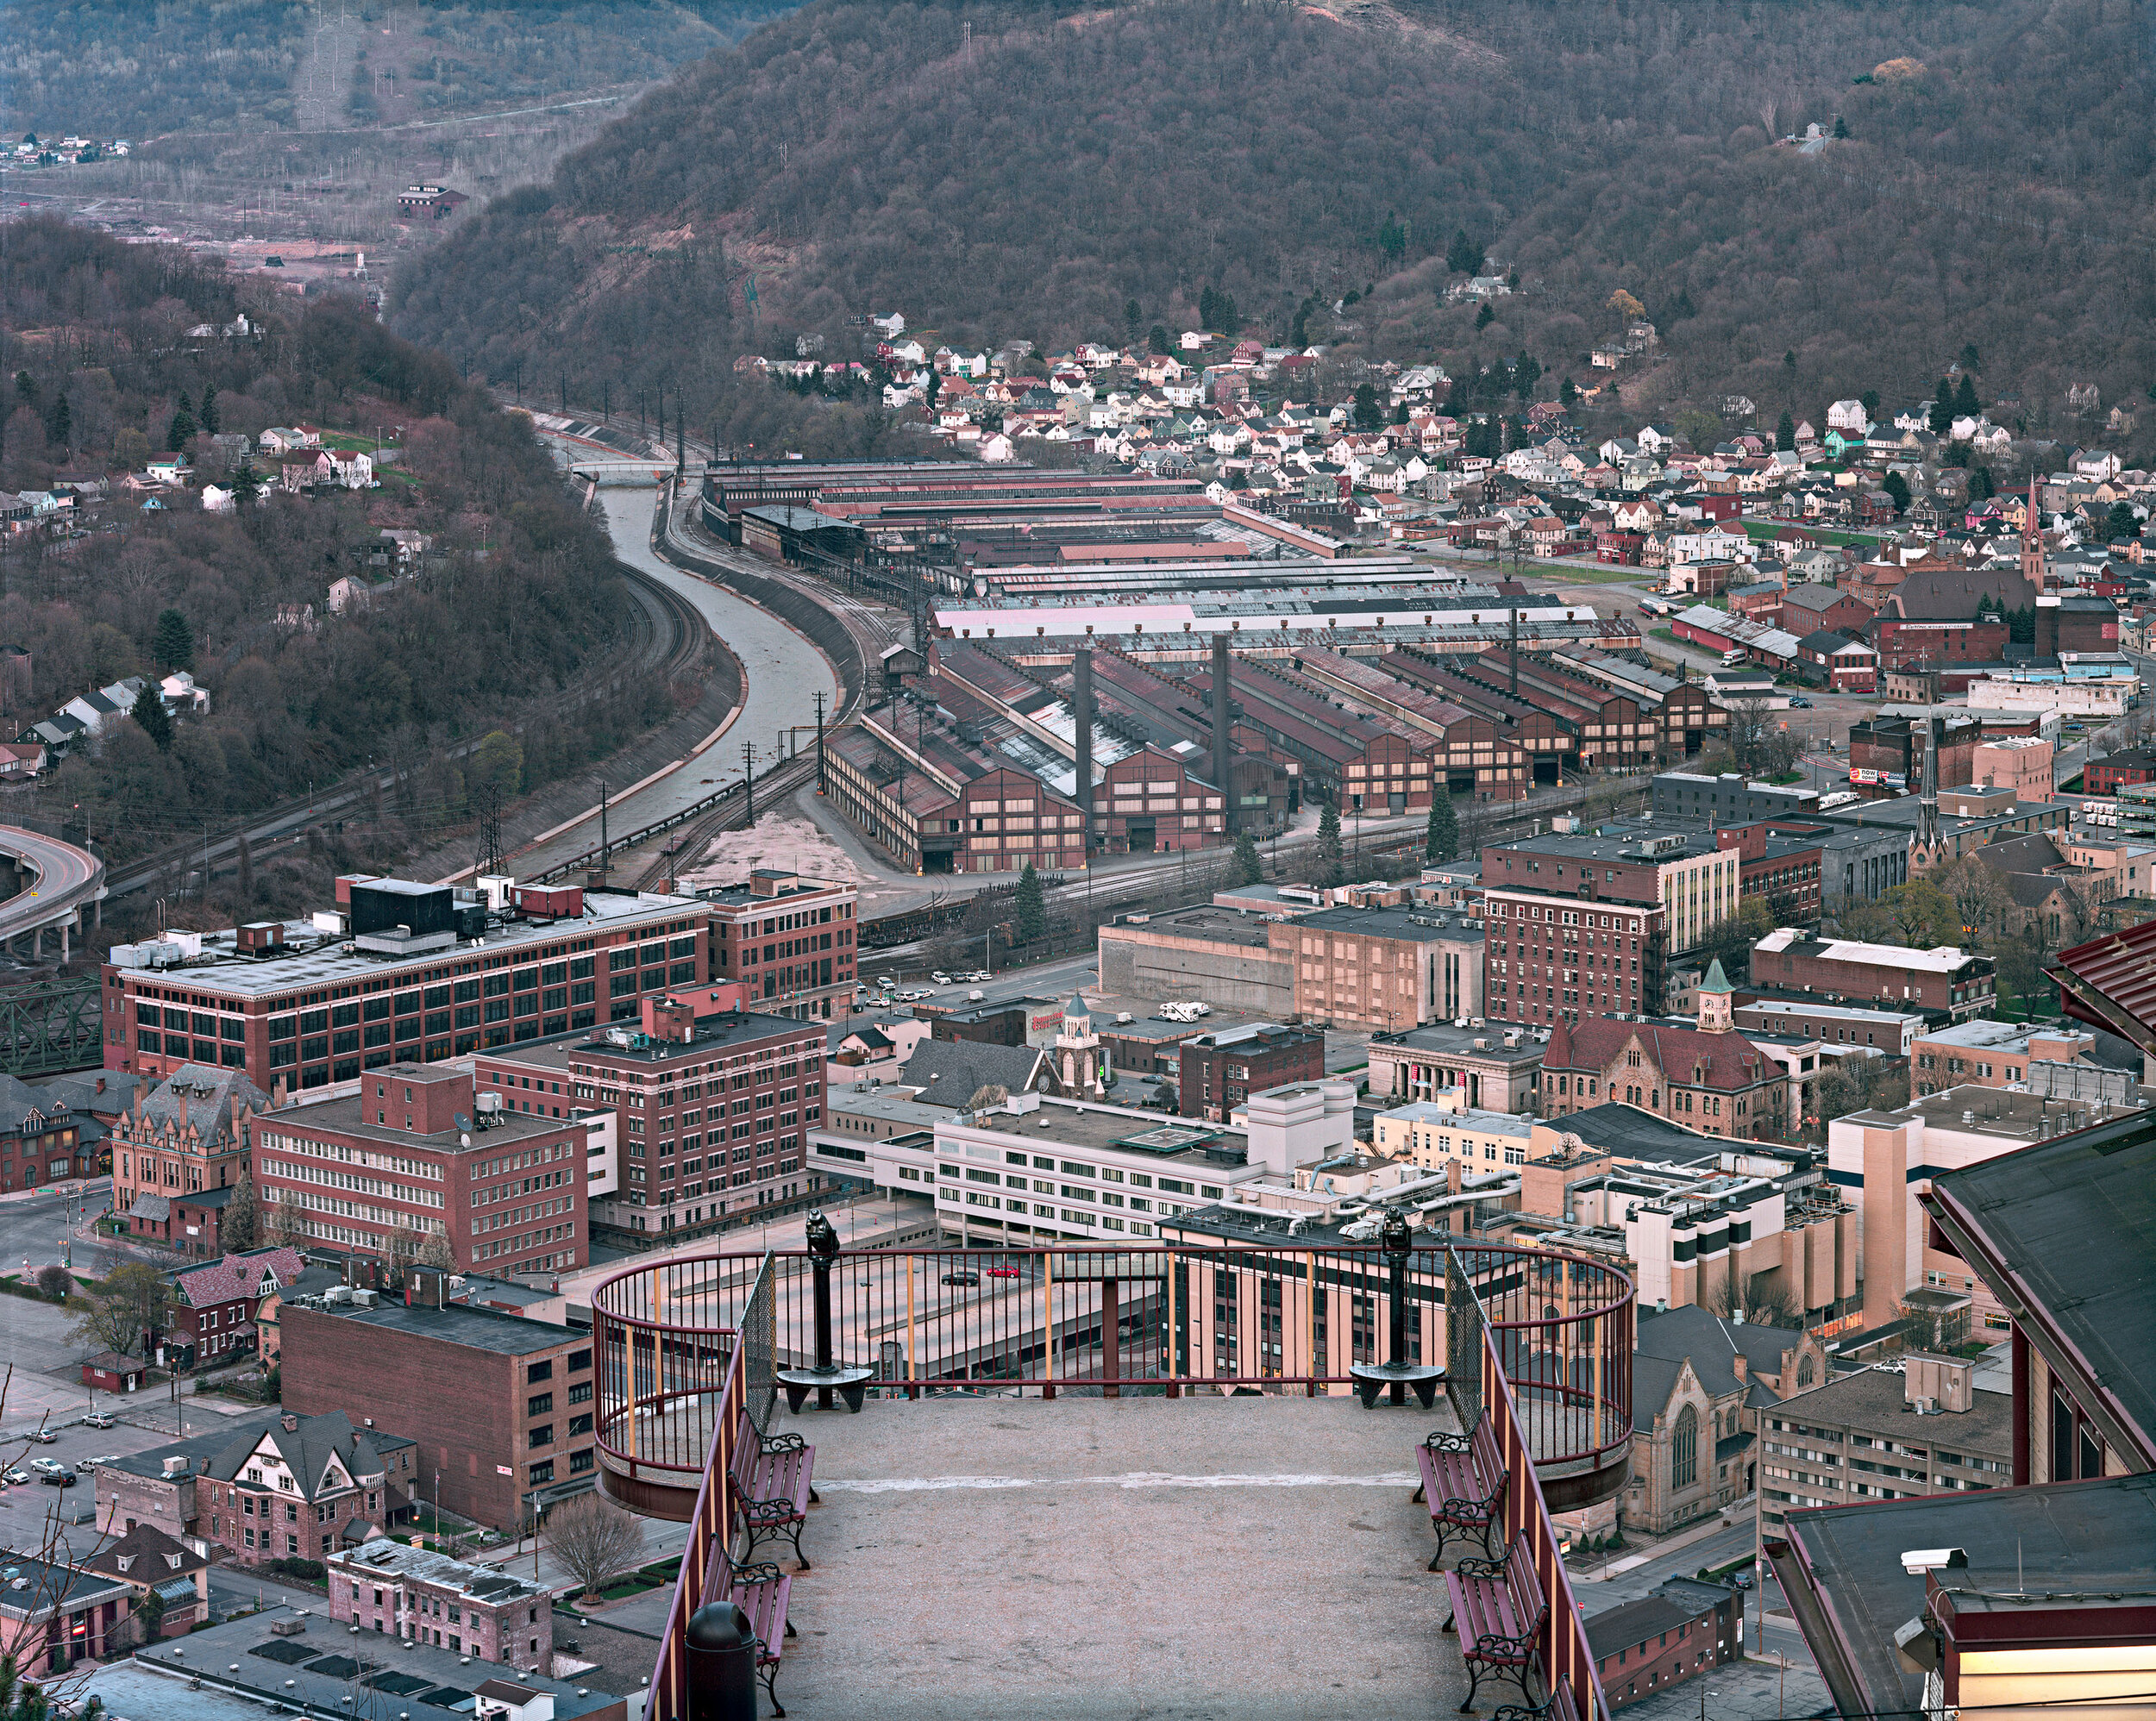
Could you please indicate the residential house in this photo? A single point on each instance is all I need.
(146, 1560)
(213, 1305)
(302, 1487)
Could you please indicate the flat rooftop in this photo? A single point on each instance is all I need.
(1443, 1040)
(1078, 1533)
(1098, 1127)
(2001, 1111)
(461, 1323)
(318, 958)
(715, 1033)
(1421, 926)
(1221, 925)
(322, 1663)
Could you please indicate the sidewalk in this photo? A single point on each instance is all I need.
(1662, 1546)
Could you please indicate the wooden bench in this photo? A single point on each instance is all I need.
(772, 1488)
(1559, 1705)
(760, 1590)
(1463, 1481)
(1498, 1610)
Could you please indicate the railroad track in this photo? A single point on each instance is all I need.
(666, 635)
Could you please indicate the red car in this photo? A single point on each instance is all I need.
(1003, 1273)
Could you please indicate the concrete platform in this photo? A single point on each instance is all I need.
(1201, 1558)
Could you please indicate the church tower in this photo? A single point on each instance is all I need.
(2032, 564)
(1082, 1067)
(1715, 1001)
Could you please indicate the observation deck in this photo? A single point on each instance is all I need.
(1064, 1448)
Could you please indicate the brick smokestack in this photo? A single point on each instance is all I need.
(1082, 713)
(1223, 720)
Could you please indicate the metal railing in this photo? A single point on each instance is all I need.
(1540, 1340)
(633, 1340)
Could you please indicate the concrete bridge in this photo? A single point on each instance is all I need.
(55, 882)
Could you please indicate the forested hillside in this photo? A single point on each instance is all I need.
(1058, 173)
(514, 608)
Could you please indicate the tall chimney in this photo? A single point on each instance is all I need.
(1082, 714)
(1223, 719)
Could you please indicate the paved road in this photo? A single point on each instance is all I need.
(68, 880)
(784, 674)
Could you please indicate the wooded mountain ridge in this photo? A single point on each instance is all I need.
(1059, 172)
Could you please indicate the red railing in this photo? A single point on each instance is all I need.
(1543, 1340)
(1565, 1651)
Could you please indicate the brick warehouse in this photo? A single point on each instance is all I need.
(501, 1406)
(398, 973)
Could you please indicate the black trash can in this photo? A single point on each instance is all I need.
(721, 1663)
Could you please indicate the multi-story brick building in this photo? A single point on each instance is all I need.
(1945, 982)
(1584, 925)
(1987, 1054)
(414, 1158)
(1386, 968)
(1498, 1069)
(1219, 1071)
(711, 1112)
(789, 941)
(502, 1406)
(43, 1140)
(2118, 771)
(398, 973)
(1683, 1631)
(397, 1590)
(1781, 868)
(213, 1307)
(303, 1486)
(186, 1141)
(1709, 1078)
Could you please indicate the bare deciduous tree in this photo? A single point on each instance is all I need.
(594, 1539)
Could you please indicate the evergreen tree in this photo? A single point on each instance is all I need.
(60, 421)
(1982, 485)
(1441, 837)
(246, 483)
(1156, 341)
(1966, 404)
(173, 645)
(26, 388)
(1785, 434)
(1367, 416)
(1464, 256)
(1485, 317)
(236, 1225)
(2122, 522)
(1391, 238)
(1841, 127)
(149, 711)
(1032, 907)
(1568, 395)
(1898, 490)
(181, 431)
(1329, 868)
(1942, 413)
(1249, 869)
(1133, 316)
(209, 413)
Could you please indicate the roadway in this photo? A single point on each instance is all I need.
(66, 881)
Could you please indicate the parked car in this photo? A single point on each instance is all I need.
(977, 976)
(887, 982)
(940, 977)
(15, 1476)
(65, 1478)
(100, 1419)
(1003, 1273)
(87, 1466)
(1800, 702)
(48, 1467)
(961, 1278)
(43, 1436)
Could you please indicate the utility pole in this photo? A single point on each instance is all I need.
(749, 779)
(819, 743)
(604, 847)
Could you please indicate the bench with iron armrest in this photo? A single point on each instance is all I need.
(1463, 1481)
(1498, 1608)
(760, 1590)
(772, 1485)
(1558, 1706)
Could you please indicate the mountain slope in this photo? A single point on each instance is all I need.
(1001, 171)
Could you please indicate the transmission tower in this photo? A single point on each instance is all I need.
(486, 802)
